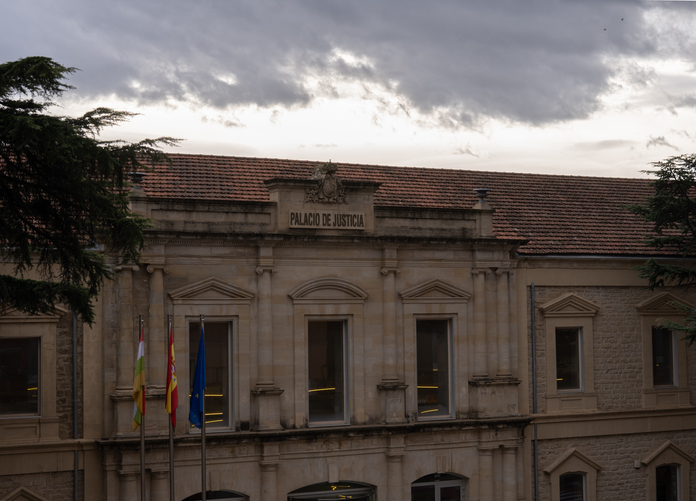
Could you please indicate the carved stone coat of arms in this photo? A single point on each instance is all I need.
(328, 188)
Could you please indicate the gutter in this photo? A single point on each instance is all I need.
(76, 475)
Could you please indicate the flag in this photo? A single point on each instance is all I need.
(172, 400)
(197, 393)
(139, 384)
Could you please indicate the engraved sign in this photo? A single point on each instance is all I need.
(328, 220)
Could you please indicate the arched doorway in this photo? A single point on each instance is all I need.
(439, 487)
(218, 496)
(355, 491)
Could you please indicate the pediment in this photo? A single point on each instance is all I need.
(664, 303)
(576, 461)
(23, 494)
(13, 315)
(328, 290)
(211, 291)
(569, 305)
(668, 452)
(435, 291)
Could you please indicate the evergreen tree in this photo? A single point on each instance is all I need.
(671, 211)
(64, 194)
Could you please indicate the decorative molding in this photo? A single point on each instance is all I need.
(131, 267)
(211, 291)
(386, 270)
(569, 305)
(260, 269)
(664, 303)
(152, 267)
(435, 291)
(328, 291)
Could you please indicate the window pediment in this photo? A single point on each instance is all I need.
(669, 452)
(664, 303)
(569, 305)
(328, 290)
(435, 291)
(572, 460)
(211, 291)
(23, 494)
(13, 316)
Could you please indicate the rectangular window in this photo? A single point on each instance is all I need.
(663, 356)
(218, 354)
(433, 365)
(667, 483)
(326, 343)
(572, 487)
(19, 376)
(568, 358)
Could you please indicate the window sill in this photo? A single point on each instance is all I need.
(571, 401)
(28, 429)
(666, 397)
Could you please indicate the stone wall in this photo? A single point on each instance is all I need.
(55, 486)
(618, 479)
(617, 348)
(64, 375)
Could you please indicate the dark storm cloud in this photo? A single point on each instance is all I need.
(536, 62)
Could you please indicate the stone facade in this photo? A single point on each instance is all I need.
(398, 284)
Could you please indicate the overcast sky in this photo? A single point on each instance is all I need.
(587, 87)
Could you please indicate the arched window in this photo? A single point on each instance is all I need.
(438, 487)
(355, 491)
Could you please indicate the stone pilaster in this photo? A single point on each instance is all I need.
(392, 386)
(485, 474)
(157, 335)
(269, 472)
(159, 485)
(509, 474)
(127, 328)
(128, 486)
(480, 339)
(395, 475)
(503, 310)
(266, 392)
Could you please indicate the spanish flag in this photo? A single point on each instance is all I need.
(139, 384)
(172, 400)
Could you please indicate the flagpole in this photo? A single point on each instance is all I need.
(171, 427)
(203, 460)
(142, 432)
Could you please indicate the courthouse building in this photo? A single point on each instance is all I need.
(372, 333)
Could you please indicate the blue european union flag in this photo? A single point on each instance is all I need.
(197, 394)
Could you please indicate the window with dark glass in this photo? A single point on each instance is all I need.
(218, 394)
(667, 483)
(433, 362)
(355, 491)
(663, 356)
(572, 487)
(438, 487)
(19, 376)
(568, 358)
(327, 371)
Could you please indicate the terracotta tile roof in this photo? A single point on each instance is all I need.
(556, 214)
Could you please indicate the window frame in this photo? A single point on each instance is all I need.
(346, 372)
(44, 425)
(230, 370)
(580, 359)
(668, 454)
(450, 370)
(573, 461)
(427, 480)
(653, 312)
(570, 311)
(39, 384)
